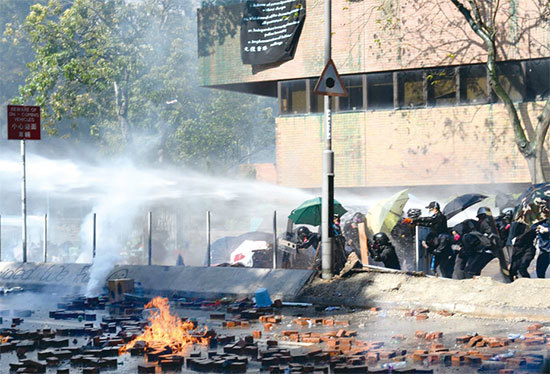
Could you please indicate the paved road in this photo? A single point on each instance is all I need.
(395, 328)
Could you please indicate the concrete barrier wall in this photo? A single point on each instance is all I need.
(43, 274)
(181, 280)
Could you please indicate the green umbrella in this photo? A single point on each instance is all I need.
(309, 212)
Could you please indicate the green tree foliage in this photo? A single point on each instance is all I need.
(482, 19)
(227, 127)
(13, 57)
(127, 70)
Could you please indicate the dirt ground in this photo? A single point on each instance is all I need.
(481, 296)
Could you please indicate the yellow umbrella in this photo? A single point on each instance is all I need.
(385, 214)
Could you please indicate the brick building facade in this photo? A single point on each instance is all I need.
(420, 111)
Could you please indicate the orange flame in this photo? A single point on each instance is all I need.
(166, 329)
(4, 339)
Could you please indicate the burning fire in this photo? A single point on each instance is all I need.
(167, 330)
(4, 339)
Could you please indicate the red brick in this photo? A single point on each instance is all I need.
(534, 327)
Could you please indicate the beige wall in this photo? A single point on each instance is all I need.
(433, 146)
(371, 36)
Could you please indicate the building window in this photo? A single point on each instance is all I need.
(317, 101)
(510, 77)
(411, 89)
(537, 73)
(441, 86)
(354, 100)
(473, 84)
(380, 91)
(527, 80)
(293, 97)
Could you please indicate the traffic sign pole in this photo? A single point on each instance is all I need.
(24, 204)
(23, 124)
(327, 193)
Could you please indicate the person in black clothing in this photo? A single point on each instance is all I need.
(339, 245)
(543, 239)
(437, 222)
(307, 239)
(504, 221)
(486, 225)
(383, 250)
(462, 253)
(440, 246)
(478, 252)
(523, 251)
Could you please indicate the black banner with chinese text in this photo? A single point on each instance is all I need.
(270, 30)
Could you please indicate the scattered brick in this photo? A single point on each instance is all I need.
(463, 339)
(301, 322)
(419, 355)
(275, 319)
(420, 334)
(516, 362)
(386, 355)
(372, 357)
(434, 335)
(535, 327)
(474, 340)
(534, 341)
(459, 357)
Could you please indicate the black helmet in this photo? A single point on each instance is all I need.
(381, 238)
(508, 213)
(414, 213)
(483, 211)
(433, 205)
(303, 232)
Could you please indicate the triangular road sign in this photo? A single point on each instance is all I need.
(330, 83)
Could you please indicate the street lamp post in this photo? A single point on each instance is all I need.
(328, 166)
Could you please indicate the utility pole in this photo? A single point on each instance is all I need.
(327, 193)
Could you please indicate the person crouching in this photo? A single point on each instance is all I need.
(382, 250)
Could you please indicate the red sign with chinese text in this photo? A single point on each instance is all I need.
(23, 122)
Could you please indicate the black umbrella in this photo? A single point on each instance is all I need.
(460, 203)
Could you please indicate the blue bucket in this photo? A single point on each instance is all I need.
(262, 298)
